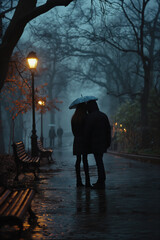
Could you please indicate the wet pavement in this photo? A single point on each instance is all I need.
(128, 208)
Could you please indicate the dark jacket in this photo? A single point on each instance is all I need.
(97, 131)
(78, 132)
(52, 133)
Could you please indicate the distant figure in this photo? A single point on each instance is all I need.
(78, 125)
(59, 134)
(52, 136)
(97, 139)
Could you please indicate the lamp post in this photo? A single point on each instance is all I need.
(32, 62)
(42, 104)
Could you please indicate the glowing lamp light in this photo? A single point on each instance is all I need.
(120, 125)
(41, 102)
(125, 130)
(116, 124)
(32, 60)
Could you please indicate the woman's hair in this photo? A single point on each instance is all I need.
(92, 106)
(80, 113)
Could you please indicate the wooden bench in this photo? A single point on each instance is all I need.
(44, 152)
(14, 205)
(24, 162)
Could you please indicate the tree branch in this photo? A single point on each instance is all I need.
(46, 7)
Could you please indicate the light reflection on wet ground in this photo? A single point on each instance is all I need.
(127, 209)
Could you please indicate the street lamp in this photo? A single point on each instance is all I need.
(42, 104)
(32, 62)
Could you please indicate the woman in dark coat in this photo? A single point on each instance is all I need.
(97, 138)
(78, 125)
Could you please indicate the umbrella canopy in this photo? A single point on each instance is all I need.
(82, 99)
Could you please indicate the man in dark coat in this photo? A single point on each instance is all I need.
(52, 135)
(97, 139)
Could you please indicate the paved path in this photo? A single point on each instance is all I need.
(129, 207)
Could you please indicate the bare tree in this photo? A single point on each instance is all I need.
(138, 33)
(98, 62)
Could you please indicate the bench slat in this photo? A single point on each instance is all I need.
(4, 196)
(8, 202)
(14, 205)
(23, 161)
(44, 152)
(20, 201)
(26, 204)
(21, 155)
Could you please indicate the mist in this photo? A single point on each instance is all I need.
(87, 51)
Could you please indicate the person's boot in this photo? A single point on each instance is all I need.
(79, 182)
(87, 177)
(99, 185)
(87, 184)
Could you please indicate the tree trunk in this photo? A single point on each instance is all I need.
(4, 63)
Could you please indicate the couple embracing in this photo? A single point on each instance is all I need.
(92, 135)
